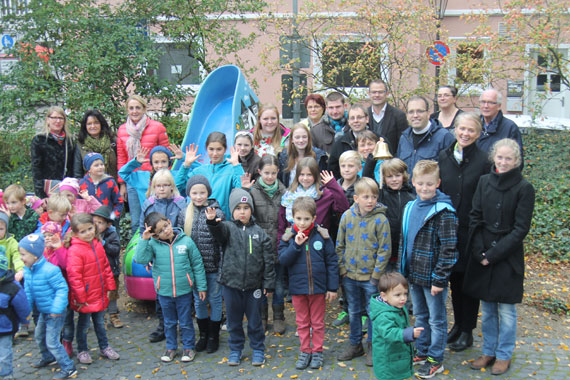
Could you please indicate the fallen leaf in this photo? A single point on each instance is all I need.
(342, 365)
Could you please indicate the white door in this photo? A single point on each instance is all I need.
(547, 90)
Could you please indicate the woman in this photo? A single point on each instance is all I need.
(52, 151)
(95, 135)
(446, 99)
(461, 165)
(315, 106)
(139, 131)
(501, 217)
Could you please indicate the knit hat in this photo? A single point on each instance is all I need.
(69, 184)
(198, 180)
(240, 196)
(4, 218)
(104, 212)
(34, 244)
(3, 261)
(160, 148)
(90, 158)
(51, 228)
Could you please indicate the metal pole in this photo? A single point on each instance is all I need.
(296, 64)
(435, 105)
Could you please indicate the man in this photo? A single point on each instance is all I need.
(425, 138)
(385, 120)
(332, 124)
(495, 126)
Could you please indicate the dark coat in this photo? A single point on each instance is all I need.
(451, 127)
(393, 124)
(322, 135)
(285, 177)
(266, 211)
(459, 182)
(500, 219)
(499, 129)
(50, 160)
(205, 242)
(395, 200)
(251, 164)
(343, 143)
(112, 246)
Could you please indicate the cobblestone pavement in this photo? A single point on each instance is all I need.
(545, 359)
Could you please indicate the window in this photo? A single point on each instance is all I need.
(469, 63)
(13, 7)
(340, 62)
(549, 77)
(176, 64)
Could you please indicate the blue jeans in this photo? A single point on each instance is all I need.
(134, 208)
(355, 291)
(47, 334)
(68, 325)
(279, 292)
(499, 326)
(6, 355)
(213, 297)
(430, 314)
(178, 310)
(98, 319)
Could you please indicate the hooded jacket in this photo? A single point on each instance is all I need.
(106, 192)
(173, 208)
(395, 201)
(10, 247)
(45, 287)
(266, 211)
(14, 307)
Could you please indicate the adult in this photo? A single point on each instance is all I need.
(315, 106)
(500, 219)
(331, 124)
(357, 122)
(425, 138)
(448, 111)
(95, 135)
(495, 126)
(140, 131)
(461, 165)
(52, 151)
(385, 120)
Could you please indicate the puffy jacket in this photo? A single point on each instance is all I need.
(500, 128)
(25, 226)
(283, 158)
(154, 134)
(202, 237)
(435, 140)
(247, 261)
(395, 201)
(173, 208)
(392, 336)
(58, 258)
(106, 192)
(313, 266)
(112, 246)
(177, 266)
(45, 287)
(10, 247)
(50, 160)
(14, 307)
(89, 276)
(266, 211)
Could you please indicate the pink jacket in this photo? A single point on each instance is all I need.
(153, 135)
(82, 206)
(58, 258)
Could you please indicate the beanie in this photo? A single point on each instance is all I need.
(69, 184)
(51, 228)
(198, 180)
(4, 218)
(34, 244)
(240, 196)
(3, 261)
(160, 148)
(90, 158)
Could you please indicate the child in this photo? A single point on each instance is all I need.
(69, 187)
(90, 278)
(23, 219)
(103, 219)
(363, 249)
(350, 165)
(54, 251)
(393, 334)
(9, 246)
(269, 136)
(223, 174)
(57, 209)
(175, 275)
(246, 272)
(198, 189)
(14, 309)
(308, 253)
(47, 290)
(365, 144)
(100, 185)
(243, 142)
(427, 254)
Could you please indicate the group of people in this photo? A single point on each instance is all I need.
(308, 211)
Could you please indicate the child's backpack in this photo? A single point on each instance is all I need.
(10, 289)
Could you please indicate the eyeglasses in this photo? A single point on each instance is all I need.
(162, 186)
(382, 92)
(359, 117)
(416, 112)
(487, 103)
(58, 118)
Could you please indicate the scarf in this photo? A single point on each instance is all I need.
(307, 231)
(458, 155)
(135, 132)
(339, 124)
(269, 189)
(59, 138)
(289, 198)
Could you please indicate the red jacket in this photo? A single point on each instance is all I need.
(154, 134)
(89, 276)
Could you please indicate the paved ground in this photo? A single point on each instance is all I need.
(546, 358)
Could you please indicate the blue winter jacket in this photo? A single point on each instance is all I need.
(14, 307)
(499, 128)
(45, 287)
(435, 140)
(313, 266)
(173, 208)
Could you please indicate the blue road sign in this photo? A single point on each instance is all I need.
(7, 41)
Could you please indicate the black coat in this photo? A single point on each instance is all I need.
(393, 124)
(251, 164)
(500, 219)
(459, 181)
(343, 143)
(50, 160)
(395, 201)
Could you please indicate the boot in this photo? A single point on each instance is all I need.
(369, 358)
(279, 325)
(68, 346)
(351, 352)
(213, 337)
(115, 321)
(203, 340)
(482, 362)
(464, 341)
(158, 334)
(500, 367)
(264, 315)
(453, 334)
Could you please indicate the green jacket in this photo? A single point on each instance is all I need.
(392, 350)
(25, 226)
(176, 268)
(10, 247)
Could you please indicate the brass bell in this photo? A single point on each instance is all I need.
(381, 150)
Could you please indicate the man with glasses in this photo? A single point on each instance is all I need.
(385, 120)
(425, 138)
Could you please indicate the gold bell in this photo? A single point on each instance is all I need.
(381, 150)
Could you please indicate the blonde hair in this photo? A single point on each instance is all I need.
(426, 167)
(276, 138)
(58, 203)
(311, 164)
(365, 184)
(14, 191)
(189, 219)
(510, 143)
(139, 99)
(162, 174)
(292, 151)
(350, 155)
(394, 166)
(61, 112)
(469, 116)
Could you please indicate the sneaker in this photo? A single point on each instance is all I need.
(419, 359)
(341, 319)
(234, 358)
(84, 357)
(116, 322)
(188, 355)
(168, 356)
(257, 357)
(317, 360)
(364, 324)
(429, 369)
(43, 363)
(109, 353)
(224, 327)
(62, 374)
(24, 331)
(68, 345)
(303, 360)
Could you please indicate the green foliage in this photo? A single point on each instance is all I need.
(175, 127)
(14, 164)
(553, 305)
